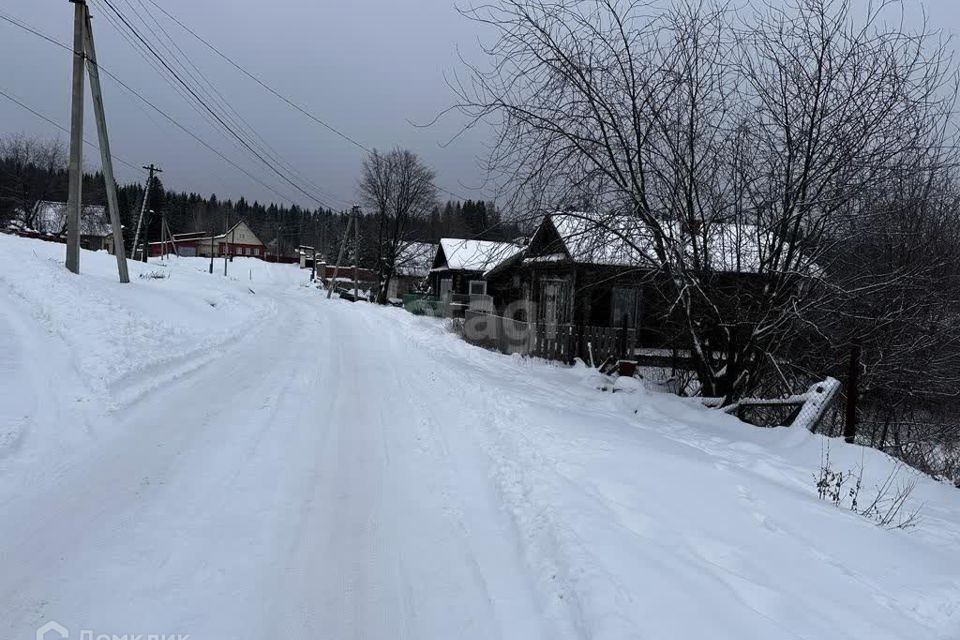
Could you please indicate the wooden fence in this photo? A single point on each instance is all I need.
(561, 342)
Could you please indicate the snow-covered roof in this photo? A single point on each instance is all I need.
(608, 240)
(415, 259)
(620, 240)
(51, 218)
(475, 255)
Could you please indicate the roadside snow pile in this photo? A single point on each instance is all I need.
(74, 347)
(647, 516)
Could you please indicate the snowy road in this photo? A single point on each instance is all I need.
(238, 458)
(295, 487)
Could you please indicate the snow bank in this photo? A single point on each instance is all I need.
(646, 516)
(73, 349)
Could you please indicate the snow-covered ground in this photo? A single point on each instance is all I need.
(241, 458)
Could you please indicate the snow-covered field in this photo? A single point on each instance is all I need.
(241, 458)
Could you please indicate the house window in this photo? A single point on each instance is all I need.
(624, 304)
(478, 287)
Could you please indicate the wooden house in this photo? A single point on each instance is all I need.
(412, 269)
(580, 270)
(47, 220)
(276, 250)
(459, 266)
(238, 240)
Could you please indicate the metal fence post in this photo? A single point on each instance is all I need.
(853, 379)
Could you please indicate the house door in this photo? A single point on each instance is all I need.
(446, 285)
(554, 296)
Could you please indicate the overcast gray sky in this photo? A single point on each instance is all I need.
(368, 67)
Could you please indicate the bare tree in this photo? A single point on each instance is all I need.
(28, 167)
(715, 141)
(399, 189)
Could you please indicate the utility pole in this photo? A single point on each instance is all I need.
(278, 237)
(75, 197)
(170, 238)
(106, 158)
(211, 252)
(356, 250)
(226, 248)
(343, 245)
(145, 244)
(143, 208)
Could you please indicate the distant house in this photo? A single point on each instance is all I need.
(187, 244)
(459, 265)
(277, 251)
(48, 220)
(412, 271)
(239, 240)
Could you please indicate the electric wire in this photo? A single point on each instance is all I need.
(152, 106)
(216, 115)
(54, 123)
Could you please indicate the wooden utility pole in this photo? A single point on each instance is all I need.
(143, 208)
(166, 236)
(343, 245)
(145, 254)
(75, 197)
(356, 251)
(226, 247)
(277, 232)
(173, 243)
(212, 250)
(106, 158)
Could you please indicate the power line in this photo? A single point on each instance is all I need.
(164, 75)
(220, 117)
(133, 92)
(25, 27)
(209, 89)
(151, 105)
(275, 92)
(260, 82)
(50, 121)
(207, 107)
(232, 63)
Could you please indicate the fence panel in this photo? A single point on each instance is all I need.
(561, 342)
